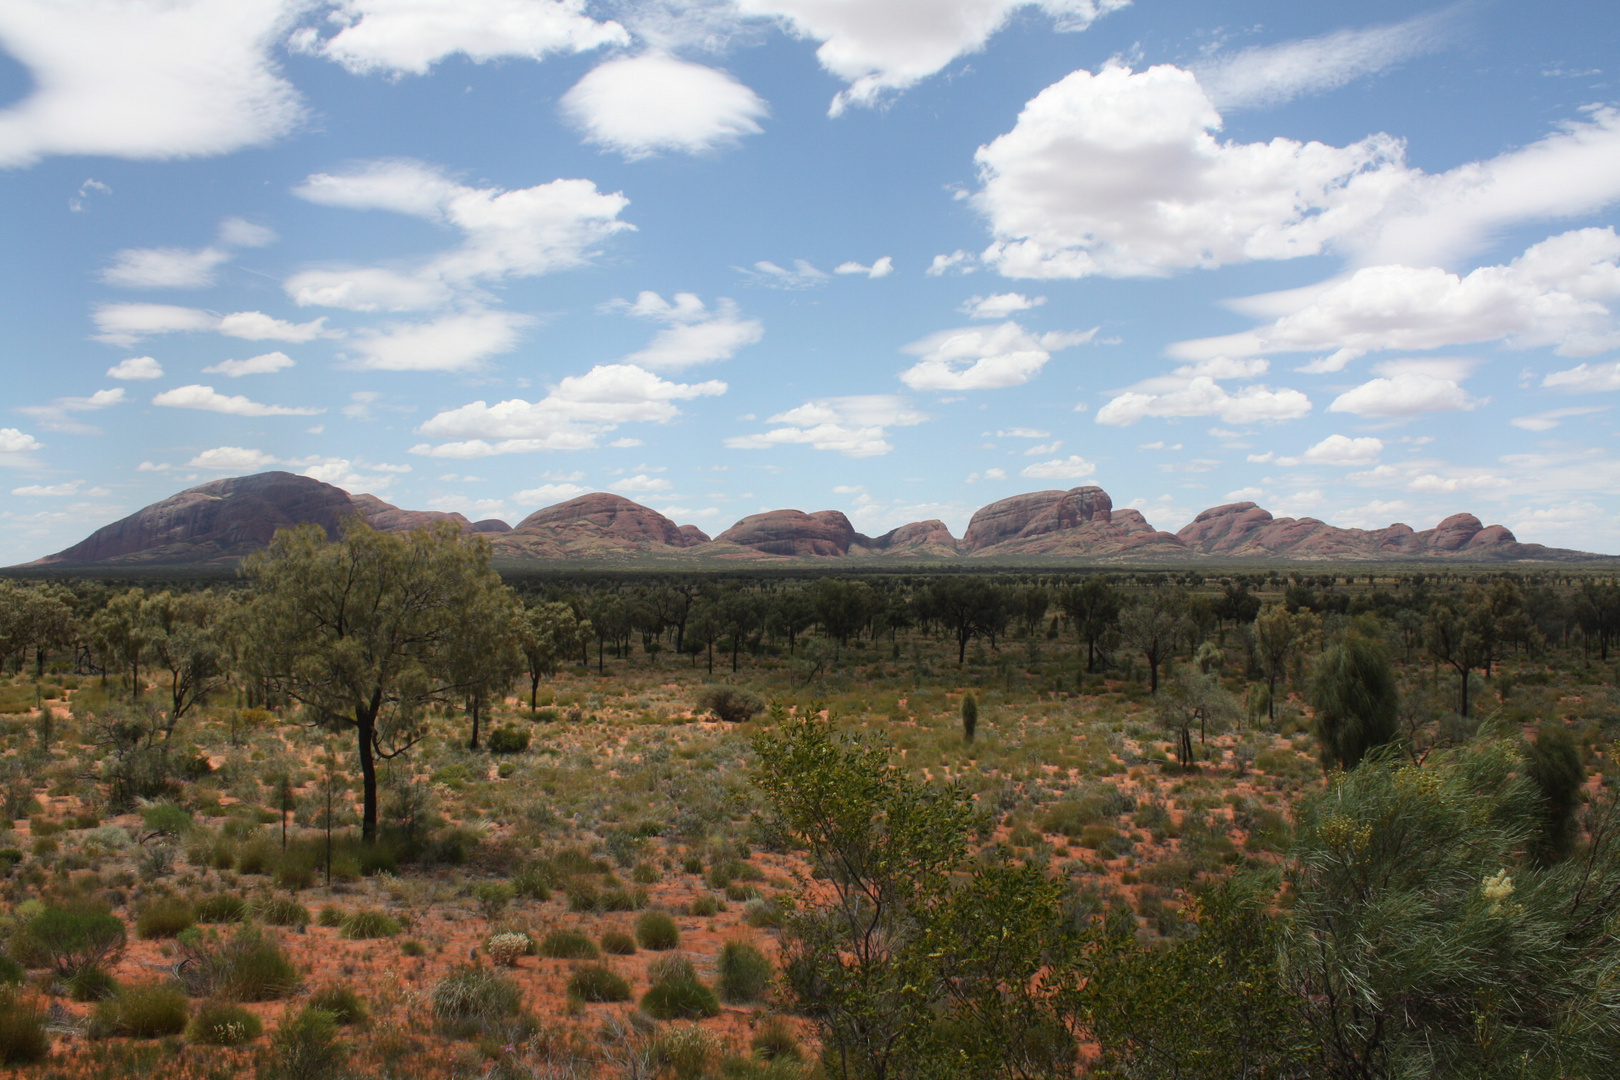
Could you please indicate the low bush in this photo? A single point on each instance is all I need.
(142, 1011)
(248, 966)
(506, 948)
(655, 930)
(508, 739)
(345, 1005)
(221, 908)
(11, 972)
(686, 1051)
(535, 881)
(618, 943)
(568, 945)
(731, 704)
(280, 911)
(774, 1041)
(23, 1040)
(92, 984)
(493, 897)
(704, 907)
(744, 973)
(596, 983)
(306, 1047)
(680, 999)
(71, 938)
(218, 1023)
(369, 923)
(330, 916)
(163, 917)
(472, 999)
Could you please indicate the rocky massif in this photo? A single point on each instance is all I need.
(222, 521)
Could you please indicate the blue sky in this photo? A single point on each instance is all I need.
(899, 258)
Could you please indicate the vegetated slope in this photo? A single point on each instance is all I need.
(224, 520)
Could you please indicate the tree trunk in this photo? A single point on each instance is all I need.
(366, 728)
(472, 711)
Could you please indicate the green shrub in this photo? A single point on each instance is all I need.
(221, 908)
(248, 966)
(72, 938)
(165, 817)
(330, 916)
(704, 906)
(774, 1041)
(369, 923)
(280, 911)
(23, 1040)
(596, 982)
(345, 1005)
(583, 896)
(744, 973)
(645, 873)
(11, 972)
(686, 1051)
(472, 999)
(508, 739)
(535, 881)
(412, 948)
(680, 998)
(568, 945)
(306, 1047)
(655, 930)
(730, 703)
(618, 943)
(764, 914)
(623, 900)
(92, 984)
(163, 917)
(143, 1011)
(217, 1023)
(493, 897)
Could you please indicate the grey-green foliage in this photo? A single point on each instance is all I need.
(1553, 763)
(1422, 944)
(889, 955)
(1353, 693)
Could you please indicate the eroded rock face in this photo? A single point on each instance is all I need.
(1035, 514)
(692, 536)
(219, 520)
(386, 517)
(491, 525)
(1243, 530)
(793, 533)
(930, 533)
(614, 515)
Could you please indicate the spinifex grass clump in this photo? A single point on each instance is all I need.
(142, 1011)
(597, 983)
(472, 1000)
(250, 965)
(677, 993)
(218, 1023)
(655, 930)
(744, 973)
(568, 945)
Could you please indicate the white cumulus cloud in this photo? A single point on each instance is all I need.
(232, 459)
(205, 398)
(164, 268)
(183, 78)
(519, 233)
(548, 494)
(1339, 450)
(125, 324)
(983, 357)
(1073, 467)
(880, 268)
(136, 368)
(803, 275)
(638, 106)
(881, 46)
(1119, 173)
(1196, 390)
(1560, 292)
(58, 415)
(263, 364)
(458, 342)
(854, 426)
(1551, 418)
(999, 305)
(571, 417)
(693, 334)
(410, 36)
(1404, 394)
